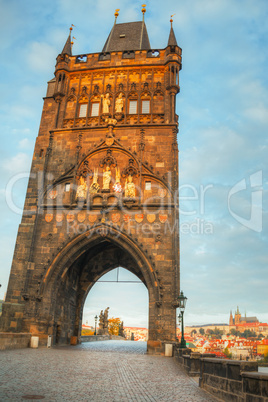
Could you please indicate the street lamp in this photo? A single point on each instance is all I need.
(182, 304)
(179, 320)
(96, 319)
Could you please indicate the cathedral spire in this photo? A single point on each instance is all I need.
(172, 38)
(68, 45)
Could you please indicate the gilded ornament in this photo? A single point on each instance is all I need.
(82, 189)
(106, 178)
(48, 217)
(95, 187)
(70, 217)
(115, 217)
(81, 216)
(151, 218)
(53, 194)
(130, 189)
(139, 218)
(126, 218)
(117, 186)
(59, 218)
(163, 217)
(92, 218)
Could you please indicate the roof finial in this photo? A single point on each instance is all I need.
(116, 14)
(143, 10)
(171, 20)
(72, 41)
(71, 28)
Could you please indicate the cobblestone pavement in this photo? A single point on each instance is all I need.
(111, 371)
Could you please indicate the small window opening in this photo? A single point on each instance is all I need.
(67, 187)
(83, 110)
(145, 107)
(122, 36)
(95, 109)
(148, 185)
(133, 107)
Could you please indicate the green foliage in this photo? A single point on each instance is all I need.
(201, 331)
(249, 334)
(227, 353)
(215, 333)
(114, 325)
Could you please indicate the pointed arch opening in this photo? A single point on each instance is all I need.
(128, 300)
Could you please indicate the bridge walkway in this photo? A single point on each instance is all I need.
(111, 371)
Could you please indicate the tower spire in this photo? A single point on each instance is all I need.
(143, 10)
(68, 45)
(172, 38)
(116, 14)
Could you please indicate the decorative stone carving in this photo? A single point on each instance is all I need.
(101, 323)
(94, 188)
(106, 178)
(130, 189)
(108, 160)
(106, 103)
(130, 169)
(105, 321)
(117, 186)
(119, 103)
(81, 192)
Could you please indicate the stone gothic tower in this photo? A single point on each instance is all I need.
(103, 188)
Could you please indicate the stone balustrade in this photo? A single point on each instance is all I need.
(228, 380)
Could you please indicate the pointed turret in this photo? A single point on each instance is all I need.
(231, 319)
(68, 45)
(172, 38)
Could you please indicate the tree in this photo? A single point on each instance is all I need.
(201, 331)
(249, 334)
(114, 325)
(193, 332)
(227, 353)
(87, 332)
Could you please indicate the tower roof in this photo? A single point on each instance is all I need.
(127, 36)
(172, 38)
(68, 46)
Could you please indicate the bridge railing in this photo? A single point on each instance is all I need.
(228, 380)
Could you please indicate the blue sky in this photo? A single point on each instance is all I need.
(223, 115)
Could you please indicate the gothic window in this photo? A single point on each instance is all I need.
(83, 110)
(95, 108)
(133, 107)
(145, 106)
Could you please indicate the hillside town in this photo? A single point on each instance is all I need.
(244, 338)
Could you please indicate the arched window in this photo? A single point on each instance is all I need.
(133, 103)
(82, 110)
(145, 103)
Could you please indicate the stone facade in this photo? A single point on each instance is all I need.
(102, 192)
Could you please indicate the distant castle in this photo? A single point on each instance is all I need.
(237, 319)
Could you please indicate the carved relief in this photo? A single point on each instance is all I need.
(106, 103)
(81, 192)
(130, 189)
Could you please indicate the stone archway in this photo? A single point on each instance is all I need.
(76, 269)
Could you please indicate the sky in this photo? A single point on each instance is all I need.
(223, 120)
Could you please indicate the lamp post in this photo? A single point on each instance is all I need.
(179, 320)
(96, 319)
(182, 304)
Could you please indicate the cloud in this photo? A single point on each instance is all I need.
(41, 57)
(17, 164)
(25, 143)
